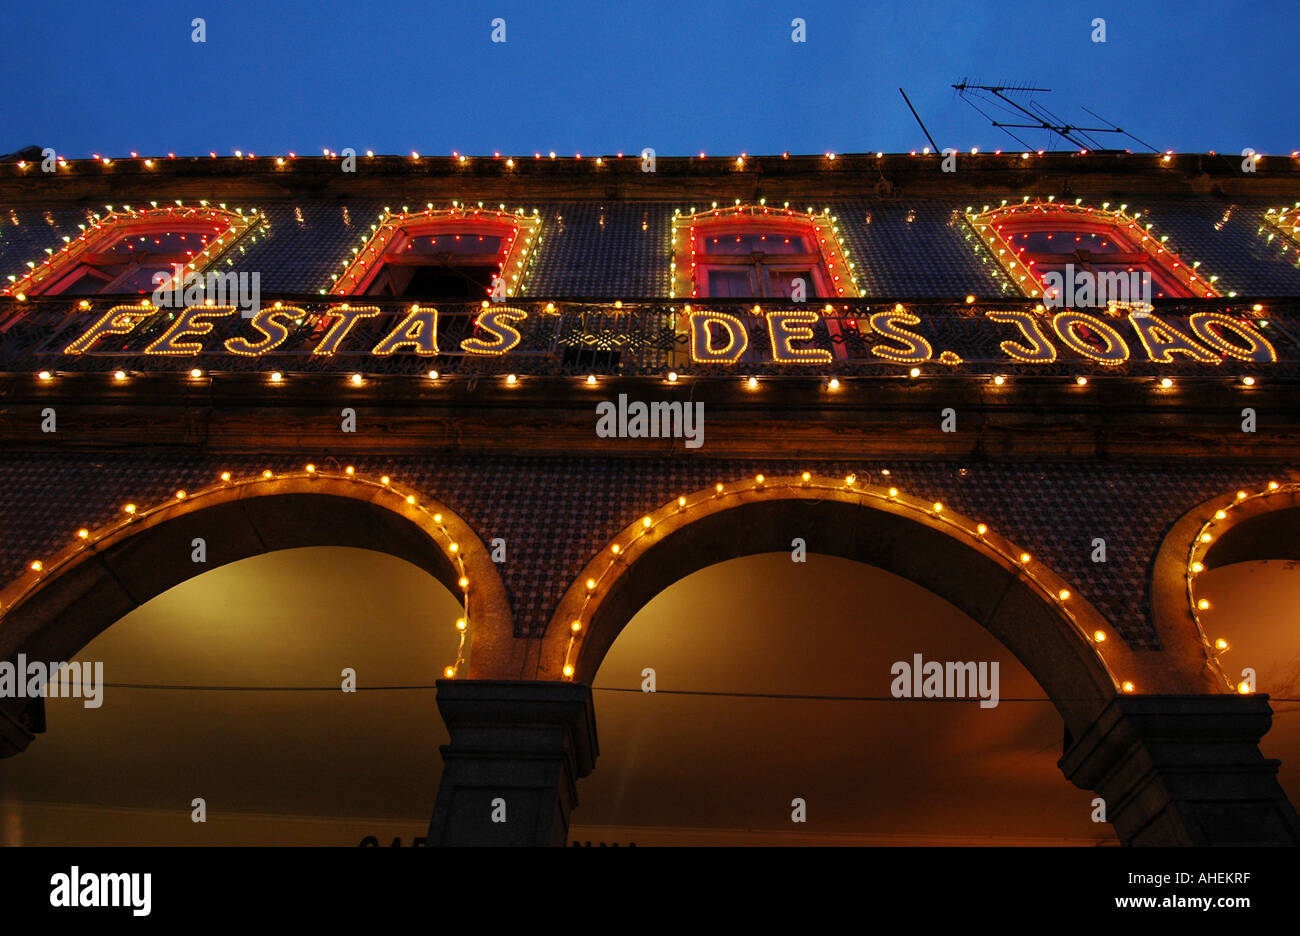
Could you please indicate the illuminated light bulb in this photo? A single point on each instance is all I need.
(938, 507)
(1206, 537)
(1221, 644)
(615, 549)
(672, 376)
(384, 480)
(267, 473)
(1220, 514)
(1166, 382)
(1241, 495)
(1064, 594)
(276, 376)
(575, 626)
(36, 565)
(1081, 381)
(119, 375)
(591, 584)
(568, 669)
(999, 380)
(1272, 485)
(981, 529)
(1099, 636)
(834, 383)
(970, 300)
(463, 582)
(454, 547)
(893, 492)
(45, 375)
(806, 476)
(225, 476)
(437, 518)
(511, 378)
(1243, 688)
(129, 508)
(718, 487)
(83, 533)
(410, 498)
(759, 479)
(311, 469)
(1198, 567)
(349, 471)
(355, 378)
(180, 495)
(449, 672)
(1203, 605)
(681, 502)
(591, 379)
(752, 383)
(1257, 307)
(915, 372)
(433, 375)
(1128, 686)
(196, 373)
(850, 479)
(645, 522)
(460, 624)
(1025, 557)
(1248, 381)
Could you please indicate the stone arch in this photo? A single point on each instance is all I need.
(1030, 609)
(61, 603)
(1237, 526)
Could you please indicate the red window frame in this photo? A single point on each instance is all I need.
(385, 248)
(828, 266)
(90, 250)
(1143, 251)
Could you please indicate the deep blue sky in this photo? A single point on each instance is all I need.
(720, 76)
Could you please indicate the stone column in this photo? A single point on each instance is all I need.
(1185, 770)
(517, 751)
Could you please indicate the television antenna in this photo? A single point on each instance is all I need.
(1003, 97)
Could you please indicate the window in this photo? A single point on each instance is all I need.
(455, 255)
(756, 252)
(122, 253)
(1035, 239)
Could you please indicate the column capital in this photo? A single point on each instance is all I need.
(1185, 770)
(517, 750)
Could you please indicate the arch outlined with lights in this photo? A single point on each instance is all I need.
(996, 226)
(519, 233)
(63, 601)
(52, 276)
(1065, 643)
(1252, 522)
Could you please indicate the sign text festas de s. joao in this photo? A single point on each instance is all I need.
(715, 336)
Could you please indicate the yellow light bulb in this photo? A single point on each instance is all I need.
(576, 626)
(568, 669)
(645, 521)
(1025, 557)
(83, 533)
(1064, 594)
(463, 582)
(591, 584)
(1203, 604)
(1128, 686)
(981, 529)
(36, 565)
(1099, 636)
(1221, 644)
(449, 672)
(460, 624)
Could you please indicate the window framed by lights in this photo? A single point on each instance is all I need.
(123, 252)
(1033, 239)
(446, 254)
(755, 252)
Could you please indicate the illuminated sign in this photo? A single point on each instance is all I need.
(649, 337)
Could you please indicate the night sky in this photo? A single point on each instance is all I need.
(597, 78)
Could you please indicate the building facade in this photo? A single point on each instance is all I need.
(1052, 389)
